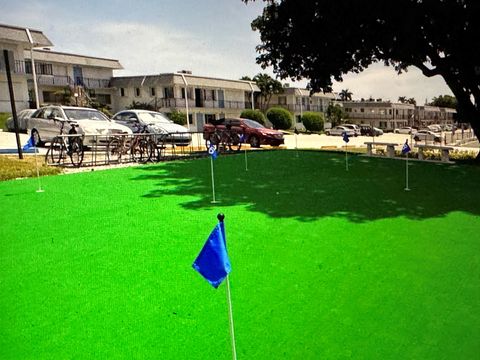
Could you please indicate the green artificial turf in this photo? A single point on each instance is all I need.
(327, 264)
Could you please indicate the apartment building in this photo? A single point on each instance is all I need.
(16, 41)
(204, 98)
(388, 116)
(60, 77)
(298, 100)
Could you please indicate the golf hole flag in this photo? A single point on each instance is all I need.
(212, 152)
(213, 262)
(345, 137)
(406, 148)
(30, 144)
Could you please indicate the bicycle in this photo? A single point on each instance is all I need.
(140, 147)
(60, 148)
(223, 139)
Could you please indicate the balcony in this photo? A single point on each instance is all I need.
(17, 68)
(198, 103)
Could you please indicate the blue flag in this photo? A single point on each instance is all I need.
(213, 152)
(242, 138)
(406, 148)
(30, 144)
(345, 137)
(213, 262)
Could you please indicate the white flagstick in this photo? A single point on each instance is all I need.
(38, 173)
(246, 162)
(230, 318)
(406, 171)
(296, 147)
(213, 181)
(346, 157)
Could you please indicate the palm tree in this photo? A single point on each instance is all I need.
(345, 95)
(268, 86)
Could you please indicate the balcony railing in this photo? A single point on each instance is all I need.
(298, 108)
(17, 68)
(196, 103)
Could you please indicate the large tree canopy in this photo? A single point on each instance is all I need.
(321, 40)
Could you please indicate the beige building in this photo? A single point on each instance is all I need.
(16, 41)
(388, 116)
(298, 101)
(206, 98)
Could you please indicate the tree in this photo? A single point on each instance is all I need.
(437, 37)
(268, 86)
(345, 95)
(256, 115)
(335, 114)
(404, 100)
(177, 117)
(313, 121)
(280, 118)
(445, 101)
(246, 78)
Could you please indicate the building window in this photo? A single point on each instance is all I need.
(362, 110)
(137, 92)
(282, 100)
(183, 93)
(153, 92)
(104, 99)
(168, 93)
(122, 91)
(40, 68)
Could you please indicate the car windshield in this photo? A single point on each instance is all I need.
(253, 124)
(154, 118)
(85, 114)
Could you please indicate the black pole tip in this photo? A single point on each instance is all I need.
(220, 217)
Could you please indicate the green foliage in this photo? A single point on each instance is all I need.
(280, 118)
(336, 114)
(313, 121)
(268, 87)
(141, 106)
(177, 117)
(447, 101)
(256, 115)
(3, 120)
(345, 95)
(405, 100)
(374, 32)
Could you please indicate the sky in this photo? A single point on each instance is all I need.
(209, 37)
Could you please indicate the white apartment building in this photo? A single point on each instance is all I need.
(205, 99)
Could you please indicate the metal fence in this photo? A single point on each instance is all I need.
(97, 149)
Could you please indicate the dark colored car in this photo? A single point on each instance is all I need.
(368, 130)
(253, 132)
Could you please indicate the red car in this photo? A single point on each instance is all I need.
(253, 132)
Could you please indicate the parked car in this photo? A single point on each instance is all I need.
(435, 128)
(339, 130)
(253, 132)
(427, 135)
(155, 122)
(405, 130)
(354, 127)
(368, 130)
(46, 122)
(22, 117)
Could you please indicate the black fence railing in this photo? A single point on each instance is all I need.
(200, 103)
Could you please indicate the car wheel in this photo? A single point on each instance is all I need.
(254, 142)
(327, 132)
(416, 138)
(36, 138)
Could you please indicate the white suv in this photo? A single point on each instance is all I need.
(355, 128)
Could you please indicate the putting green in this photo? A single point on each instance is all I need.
(327, 264)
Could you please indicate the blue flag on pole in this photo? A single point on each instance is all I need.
(406, 148)
(345, 137)
(213, 262)
(30, 144)
(213, 152)
(242, 138)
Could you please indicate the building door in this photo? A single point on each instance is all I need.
(198, 97)
(78, 75)
(221, 98)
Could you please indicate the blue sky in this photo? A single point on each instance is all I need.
(209, 37)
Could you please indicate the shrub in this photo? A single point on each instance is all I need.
(313, 121)
(177, 117)
(280, 118)
(256, 115)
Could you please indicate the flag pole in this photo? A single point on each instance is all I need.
(246, 162)
(406, 176)
(230, 318)
(220, 218)
(213, 181)
(346, 157)
(36, 166)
